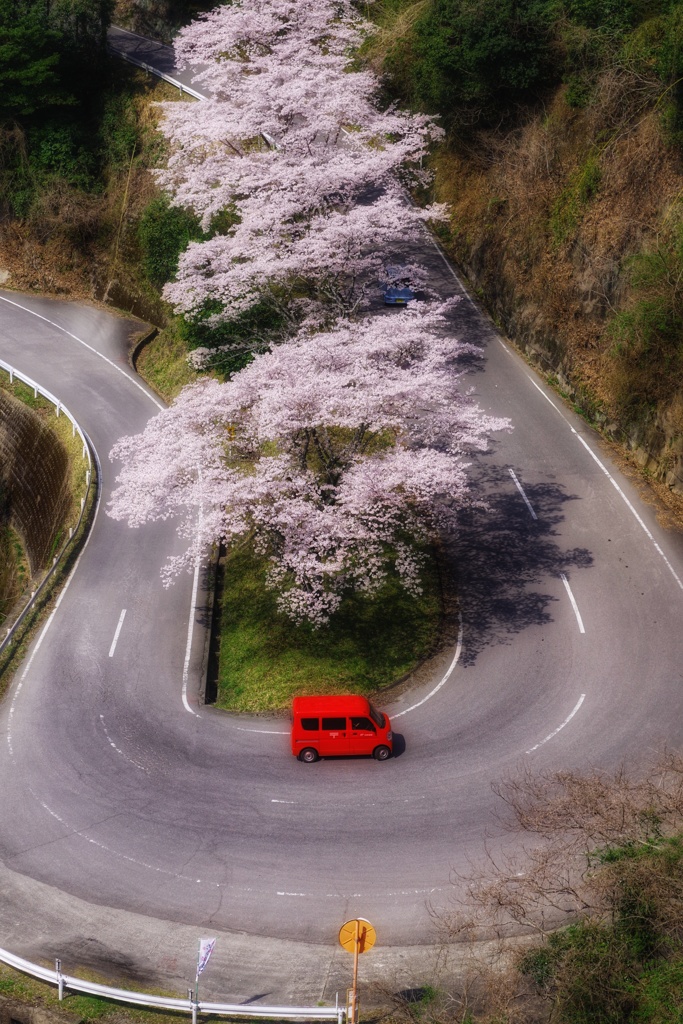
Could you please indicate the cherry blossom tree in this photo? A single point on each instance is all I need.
(321, 268)
(334, 455)
(283, 70)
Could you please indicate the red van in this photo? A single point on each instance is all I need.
(333, 726)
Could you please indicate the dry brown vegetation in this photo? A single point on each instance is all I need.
(546, 218)
(582, 922)
(84, 244)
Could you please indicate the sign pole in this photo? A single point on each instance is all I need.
(354, 994)
(356, 936)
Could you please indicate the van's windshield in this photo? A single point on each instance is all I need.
(377, 716)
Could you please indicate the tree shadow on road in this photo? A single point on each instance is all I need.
(502, 558)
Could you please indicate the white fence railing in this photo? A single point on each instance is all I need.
(60, 409)
(154, 71)
(190, 1005)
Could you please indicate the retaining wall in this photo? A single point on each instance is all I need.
(34, 474)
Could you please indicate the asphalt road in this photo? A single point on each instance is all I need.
(131, 818)
(122, 794)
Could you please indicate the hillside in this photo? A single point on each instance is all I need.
(562, 164)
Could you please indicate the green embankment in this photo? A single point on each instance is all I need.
(13, 570)
(370, 643)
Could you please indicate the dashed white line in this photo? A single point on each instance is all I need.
(560, 727)
(521, 491)
(573, 601)
(116, 634)
(264, 732)
(118, 749)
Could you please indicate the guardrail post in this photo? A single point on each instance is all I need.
(60, 979)
(193, 1004)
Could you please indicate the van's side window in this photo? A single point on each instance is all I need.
(334, 723)
(362, 724)
(309, 724)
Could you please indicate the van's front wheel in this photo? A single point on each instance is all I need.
(309, 755)
(381, 753)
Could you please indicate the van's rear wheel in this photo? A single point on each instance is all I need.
(381, 753)
(309, 755)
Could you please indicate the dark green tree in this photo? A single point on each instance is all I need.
(472, 59)
(29, 60)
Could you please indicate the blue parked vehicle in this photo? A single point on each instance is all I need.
(397, 288)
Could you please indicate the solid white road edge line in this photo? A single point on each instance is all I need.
(614, 484)
(560, 727)
(521, 491)
(80, 341)
(193, 605)
(573, 601)
(458, 649)
(190, 630)
(116, 634)
(63, 591)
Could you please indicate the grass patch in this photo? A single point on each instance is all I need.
(569, 207)
(163, 363)
(14, 570)
(370, 643)
(80, 1009)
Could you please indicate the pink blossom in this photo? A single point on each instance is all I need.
(330, 453)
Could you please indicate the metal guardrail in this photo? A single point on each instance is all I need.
(59, 408)
(190, 1005)
(268, 139)
(156, 71)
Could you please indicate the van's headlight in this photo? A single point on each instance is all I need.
(390, 735)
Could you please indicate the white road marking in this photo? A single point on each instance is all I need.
(116, 634)
(521, 491)
(73, 832)
(614, 484)
(282, 801)
(458, 649)
(560, 727)
(118, 749)
(193, 605)
(573, 601)
(85, 345)
(465, 293)
(398, 714)
(62, 592)
(264, 732)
